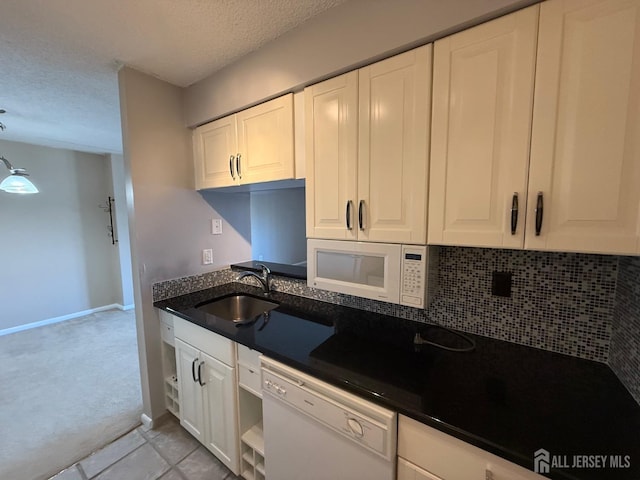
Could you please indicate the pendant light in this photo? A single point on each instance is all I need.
(17, 181)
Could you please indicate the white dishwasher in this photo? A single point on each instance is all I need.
(315, 431)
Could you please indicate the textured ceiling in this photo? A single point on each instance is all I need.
(59, 58)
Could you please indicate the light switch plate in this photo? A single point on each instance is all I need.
(216, 226)
(207, 256)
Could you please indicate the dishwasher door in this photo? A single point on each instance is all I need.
(313, 431)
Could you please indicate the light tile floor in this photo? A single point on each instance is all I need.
(167, 453)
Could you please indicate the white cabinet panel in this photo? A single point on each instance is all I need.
(265, 141)
(191, 412)
(331, 125)
(214, 150)
(482, 104)
(254, 145)
(220, 412)
(208, 392)
(393, 139)
(367, 138)
(585, 151)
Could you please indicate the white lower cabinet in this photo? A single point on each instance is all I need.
(191, 412)
(427, 453)
(208, 390)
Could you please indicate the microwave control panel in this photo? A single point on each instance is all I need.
(414, 276)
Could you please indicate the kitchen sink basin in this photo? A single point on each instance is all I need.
(237, 308)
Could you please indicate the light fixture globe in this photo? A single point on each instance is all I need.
(17, 182)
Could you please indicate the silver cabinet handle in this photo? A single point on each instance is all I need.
(348, 215)
(231, 167)
(238, 164)
(361, 215)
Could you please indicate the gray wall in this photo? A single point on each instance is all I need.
(57, 258)
(278, 226)
(342, 38)
(123, 271)
(169, 221)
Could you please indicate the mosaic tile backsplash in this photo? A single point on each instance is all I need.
(624, 356)
(193, 283)
(562, 302)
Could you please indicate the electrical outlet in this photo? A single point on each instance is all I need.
(207, 256)
(216, 226)
(501, 284)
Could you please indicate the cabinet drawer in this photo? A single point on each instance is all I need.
(166, 332)
(447, 457)
(409, 471)
(166, 327)
(248, 357)
(214, 345)
(250, 379)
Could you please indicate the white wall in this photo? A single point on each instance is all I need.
(56, 256)
(342, 38)
(278, 226)
(169, 222)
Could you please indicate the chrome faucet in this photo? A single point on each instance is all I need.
(264, 279)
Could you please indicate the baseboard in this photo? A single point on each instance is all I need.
(125, 307)
(62, 318)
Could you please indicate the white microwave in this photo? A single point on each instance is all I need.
(380, 271)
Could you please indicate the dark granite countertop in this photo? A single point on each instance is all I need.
(505, 398)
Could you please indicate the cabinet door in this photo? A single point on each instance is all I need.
(393, 140)
(585, 150)
(220, 412)
(265, 141)
(331, 138)
(214, 151)
(481, 125)
(191, 413)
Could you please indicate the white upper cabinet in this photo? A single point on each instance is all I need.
(585, 150)
(367, 139)
(393, 153)
(255, 145)
(572, 160)
(265, 141)
(214, 151)
(482, 103)
(331, 141)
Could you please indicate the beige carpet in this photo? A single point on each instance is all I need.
(66, 390)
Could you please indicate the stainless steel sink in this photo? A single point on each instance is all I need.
(238, 308)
